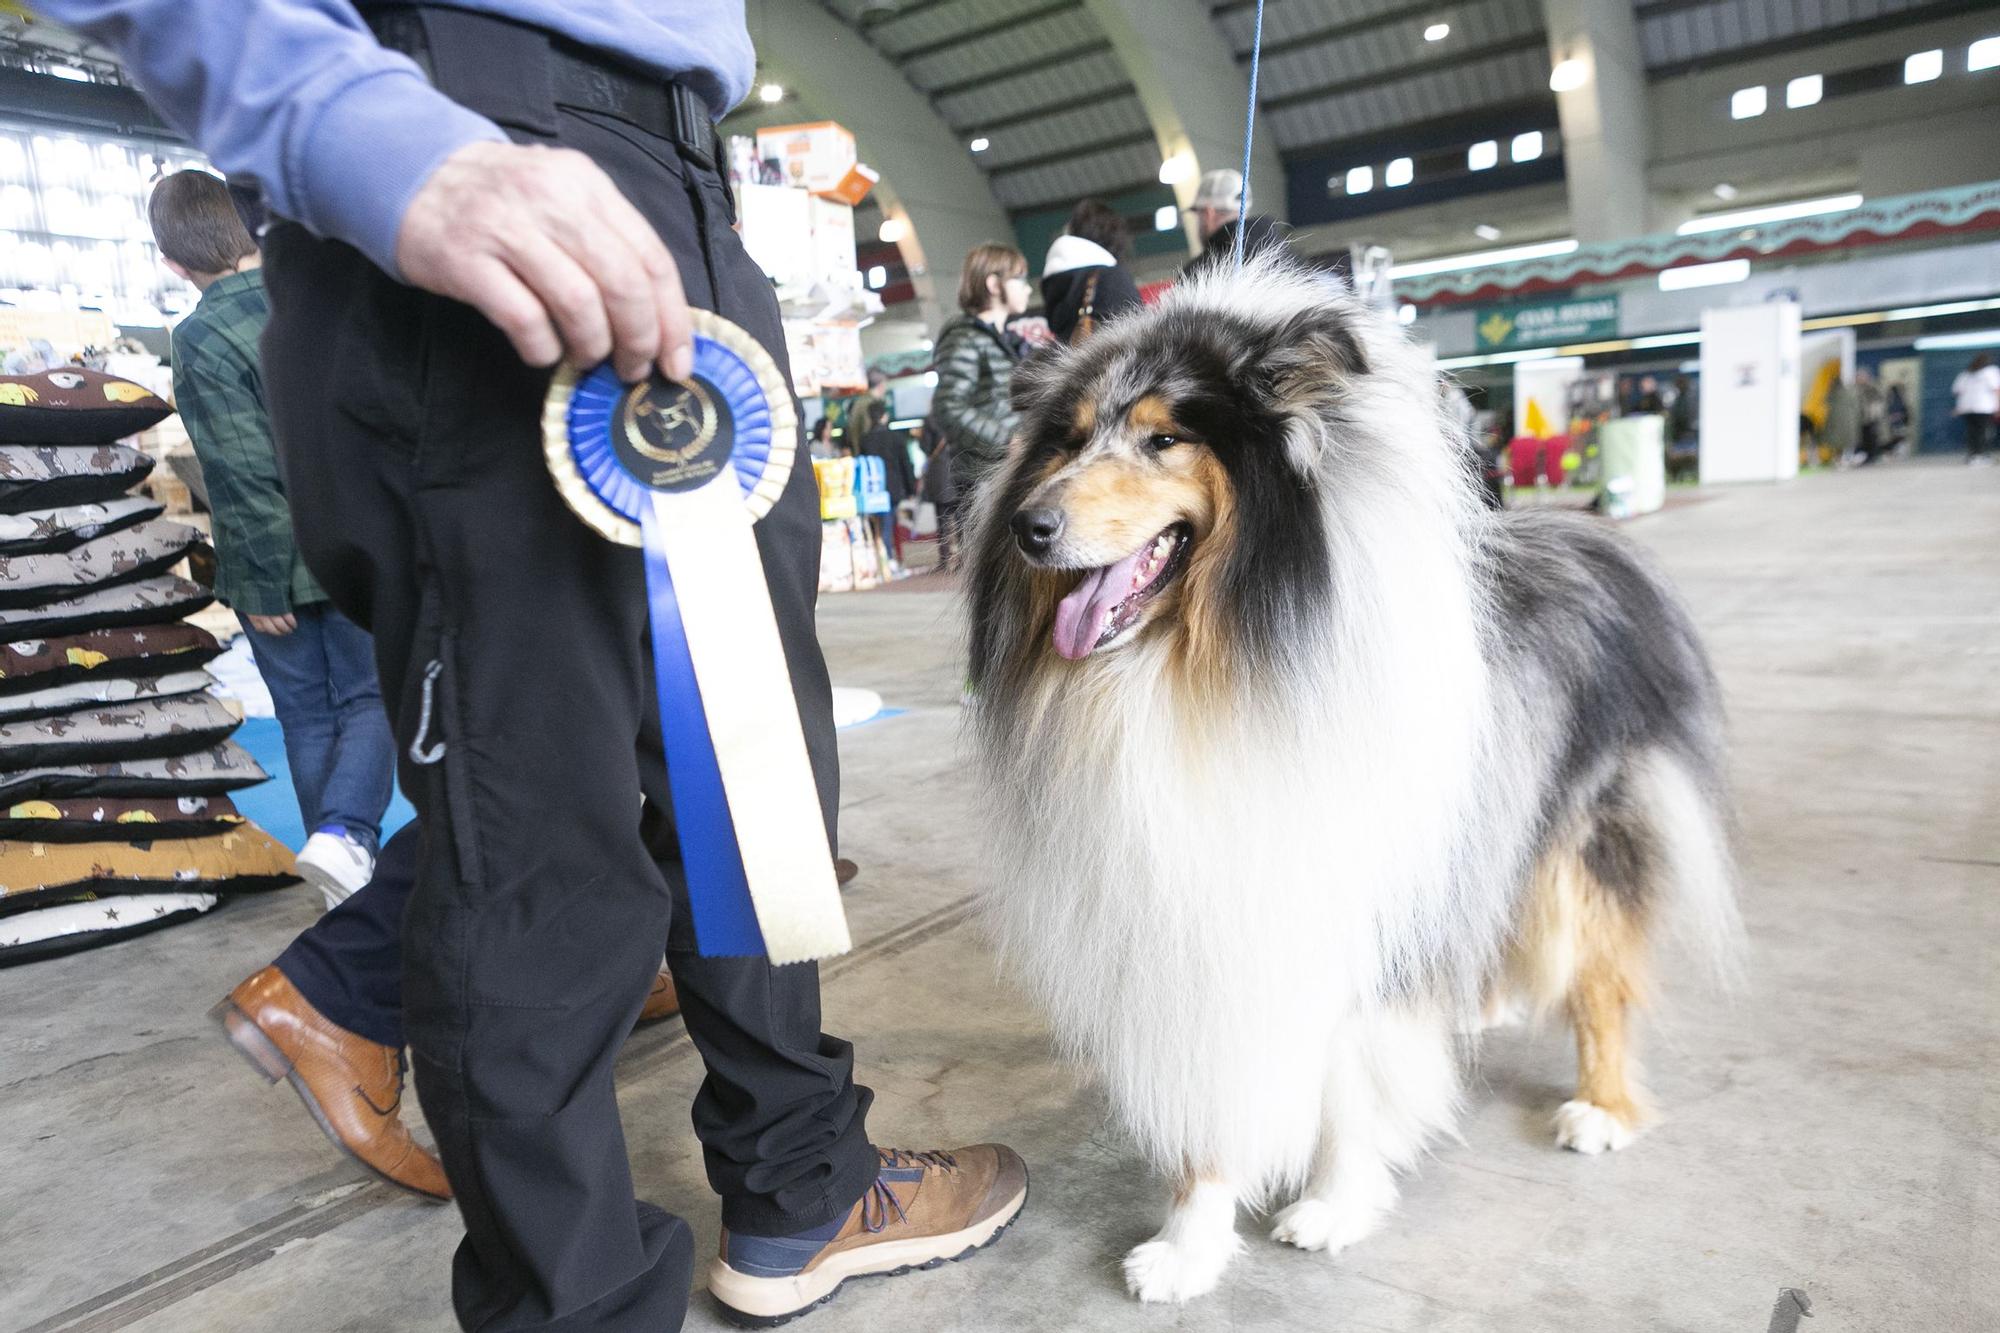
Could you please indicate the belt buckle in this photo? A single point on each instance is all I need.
(693, 131)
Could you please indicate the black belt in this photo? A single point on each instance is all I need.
(580, 77)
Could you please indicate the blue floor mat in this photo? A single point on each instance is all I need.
(274, 805)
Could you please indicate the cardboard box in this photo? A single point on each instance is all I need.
(814, 156)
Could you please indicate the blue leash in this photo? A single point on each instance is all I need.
(1249, 132)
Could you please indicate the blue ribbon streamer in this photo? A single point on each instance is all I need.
(725, 922)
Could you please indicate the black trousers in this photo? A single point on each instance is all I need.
(515, 639)
(349, 963)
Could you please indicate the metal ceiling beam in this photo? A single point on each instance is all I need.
(1098, 98)
(1069, 154)
(1806, 41)
(1095, 48)
(1193, 92)
(1350, 28)
(984, 30)
(1534, 41)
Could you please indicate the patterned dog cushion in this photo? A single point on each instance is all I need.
(37, 664)
(119, 557)
(153, 601)
(43, 531)
(75, 406)
(85, 693)
(227, 767)
(144, 729)
(244, 860)
(51, 932)
(119, 819)
(49, 476)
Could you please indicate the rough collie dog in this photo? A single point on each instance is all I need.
(1300, 762)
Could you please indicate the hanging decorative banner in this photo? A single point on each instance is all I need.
(683, 470)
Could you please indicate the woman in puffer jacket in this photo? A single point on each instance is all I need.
(975, 366)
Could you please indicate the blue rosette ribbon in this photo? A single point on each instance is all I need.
(682, 470)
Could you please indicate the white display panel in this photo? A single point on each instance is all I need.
(1750, 393)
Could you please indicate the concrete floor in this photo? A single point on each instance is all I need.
(1830, 1130)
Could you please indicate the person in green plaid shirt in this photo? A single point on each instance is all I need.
(319, 665)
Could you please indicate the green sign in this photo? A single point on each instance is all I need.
(1546, 323)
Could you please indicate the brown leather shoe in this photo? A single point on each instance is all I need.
(352, 1086)
(924, 1210)
(664, 1002)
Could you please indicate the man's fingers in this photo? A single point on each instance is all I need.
(492, 288)
(567, 292)
(675, 353)
(627, 293)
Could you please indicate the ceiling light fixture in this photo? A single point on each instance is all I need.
(1360, 180)
(772, 92)
(1719, 274)
(981, 144)
(1749, 103)
(878, 278)
(1486, 232)
(1923, 66)
(893, 230)
(1751, 217)
(1177, 168)
(1806, 90)
(1482, 259)
(1437, 32)
(1982, 54)
(1725, 192)
(1165, 217)
(1944, 341)
(1399, 172)
(1484, 154)
(1526, 147)
(1569, 75)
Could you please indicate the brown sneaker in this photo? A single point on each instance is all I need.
(664, 1002)
(352, 1086)
(925, 1209)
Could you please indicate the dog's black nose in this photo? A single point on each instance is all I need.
(1036, 530)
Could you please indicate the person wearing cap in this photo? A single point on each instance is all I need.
(1220, 202)
(467, 194)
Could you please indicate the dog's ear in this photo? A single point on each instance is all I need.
(1306, 365)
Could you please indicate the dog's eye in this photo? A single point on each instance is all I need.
(1162, 441)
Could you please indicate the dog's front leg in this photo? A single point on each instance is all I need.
(1186, 1258)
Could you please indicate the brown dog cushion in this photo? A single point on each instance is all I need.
(49, 476)
(119, 818)
(71, 405)
(150, 601)
(223, 768)
(143, 729)
(139, 552)
(100, 654)
(244, 860)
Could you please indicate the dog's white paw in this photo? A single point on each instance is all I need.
(1176, 1270)
(1318, 1224)
(1588, 1128)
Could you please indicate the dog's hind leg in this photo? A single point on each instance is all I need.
(1392, 1083)
(1186, 1258)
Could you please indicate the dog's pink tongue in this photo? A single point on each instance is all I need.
(1080, 617)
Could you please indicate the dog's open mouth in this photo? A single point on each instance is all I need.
(1109, 600)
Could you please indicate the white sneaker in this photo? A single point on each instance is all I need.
(337, 865)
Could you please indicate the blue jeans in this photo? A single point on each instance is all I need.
(329, 704)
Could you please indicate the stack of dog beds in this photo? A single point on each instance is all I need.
(115, 760)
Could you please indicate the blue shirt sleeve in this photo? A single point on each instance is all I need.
(298, 95)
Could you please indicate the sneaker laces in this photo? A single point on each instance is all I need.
(880, 1202)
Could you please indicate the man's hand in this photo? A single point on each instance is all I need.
(542, 243)
(275, 626)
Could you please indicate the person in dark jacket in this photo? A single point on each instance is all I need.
(1085, 272)
(975, 365)
(1218, 207)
